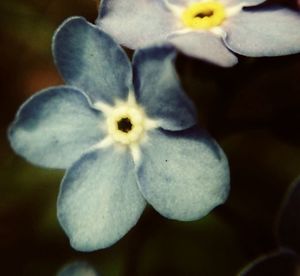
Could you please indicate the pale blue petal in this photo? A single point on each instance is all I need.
(89, 59)
(183, 174)
(136, 24)
(206, 46)
(265, 32)
(77, 269)
(99, 200)
(54, 127)
(158, 89)
(245, 3)
(180, 3)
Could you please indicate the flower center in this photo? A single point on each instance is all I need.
(126, 122)
(203, 15)
(124, 125)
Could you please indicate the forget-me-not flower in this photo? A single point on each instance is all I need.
(77, 269)
(206, 29)
(126, 135)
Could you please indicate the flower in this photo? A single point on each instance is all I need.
(126, 135)
(285, 260)
(78, 268)
(205, 29)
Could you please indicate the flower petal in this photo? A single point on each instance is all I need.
(265, 32)
(244, 3)
(99, 200)
(178, 2)
(90, 60)
(206, 46)
(158, 89)
(183, 174)
(54, 127)
(136, 24)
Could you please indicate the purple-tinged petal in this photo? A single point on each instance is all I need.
(99, 200)
(54, 127)
(90, 60)
(206, 46)
(136, 24)
(264, 32)
(158, 89)
(183, 174)
(244, 3)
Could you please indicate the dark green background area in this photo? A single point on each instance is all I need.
(252, 110)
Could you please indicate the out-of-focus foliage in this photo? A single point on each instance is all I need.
(252, 110)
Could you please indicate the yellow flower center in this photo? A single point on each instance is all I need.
(203, 15)
(126, 124)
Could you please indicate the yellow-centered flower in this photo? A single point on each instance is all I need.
(126, 121)
(203, 15)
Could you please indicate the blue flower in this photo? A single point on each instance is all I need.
(205, 29)
(126, 135)
(77, 269)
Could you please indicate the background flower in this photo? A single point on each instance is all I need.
(285, 260)
(77, 269)
(225, 26)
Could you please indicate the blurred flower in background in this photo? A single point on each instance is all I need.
(209, 30)
(77, 269)
(286, 259)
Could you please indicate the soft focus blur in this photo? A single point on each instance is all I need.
(252, 110)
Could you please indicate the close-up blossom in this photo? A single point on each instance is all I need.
(126, 135)
(212, 30)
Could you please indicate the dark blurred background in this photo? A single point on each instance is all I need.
(252, 110)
